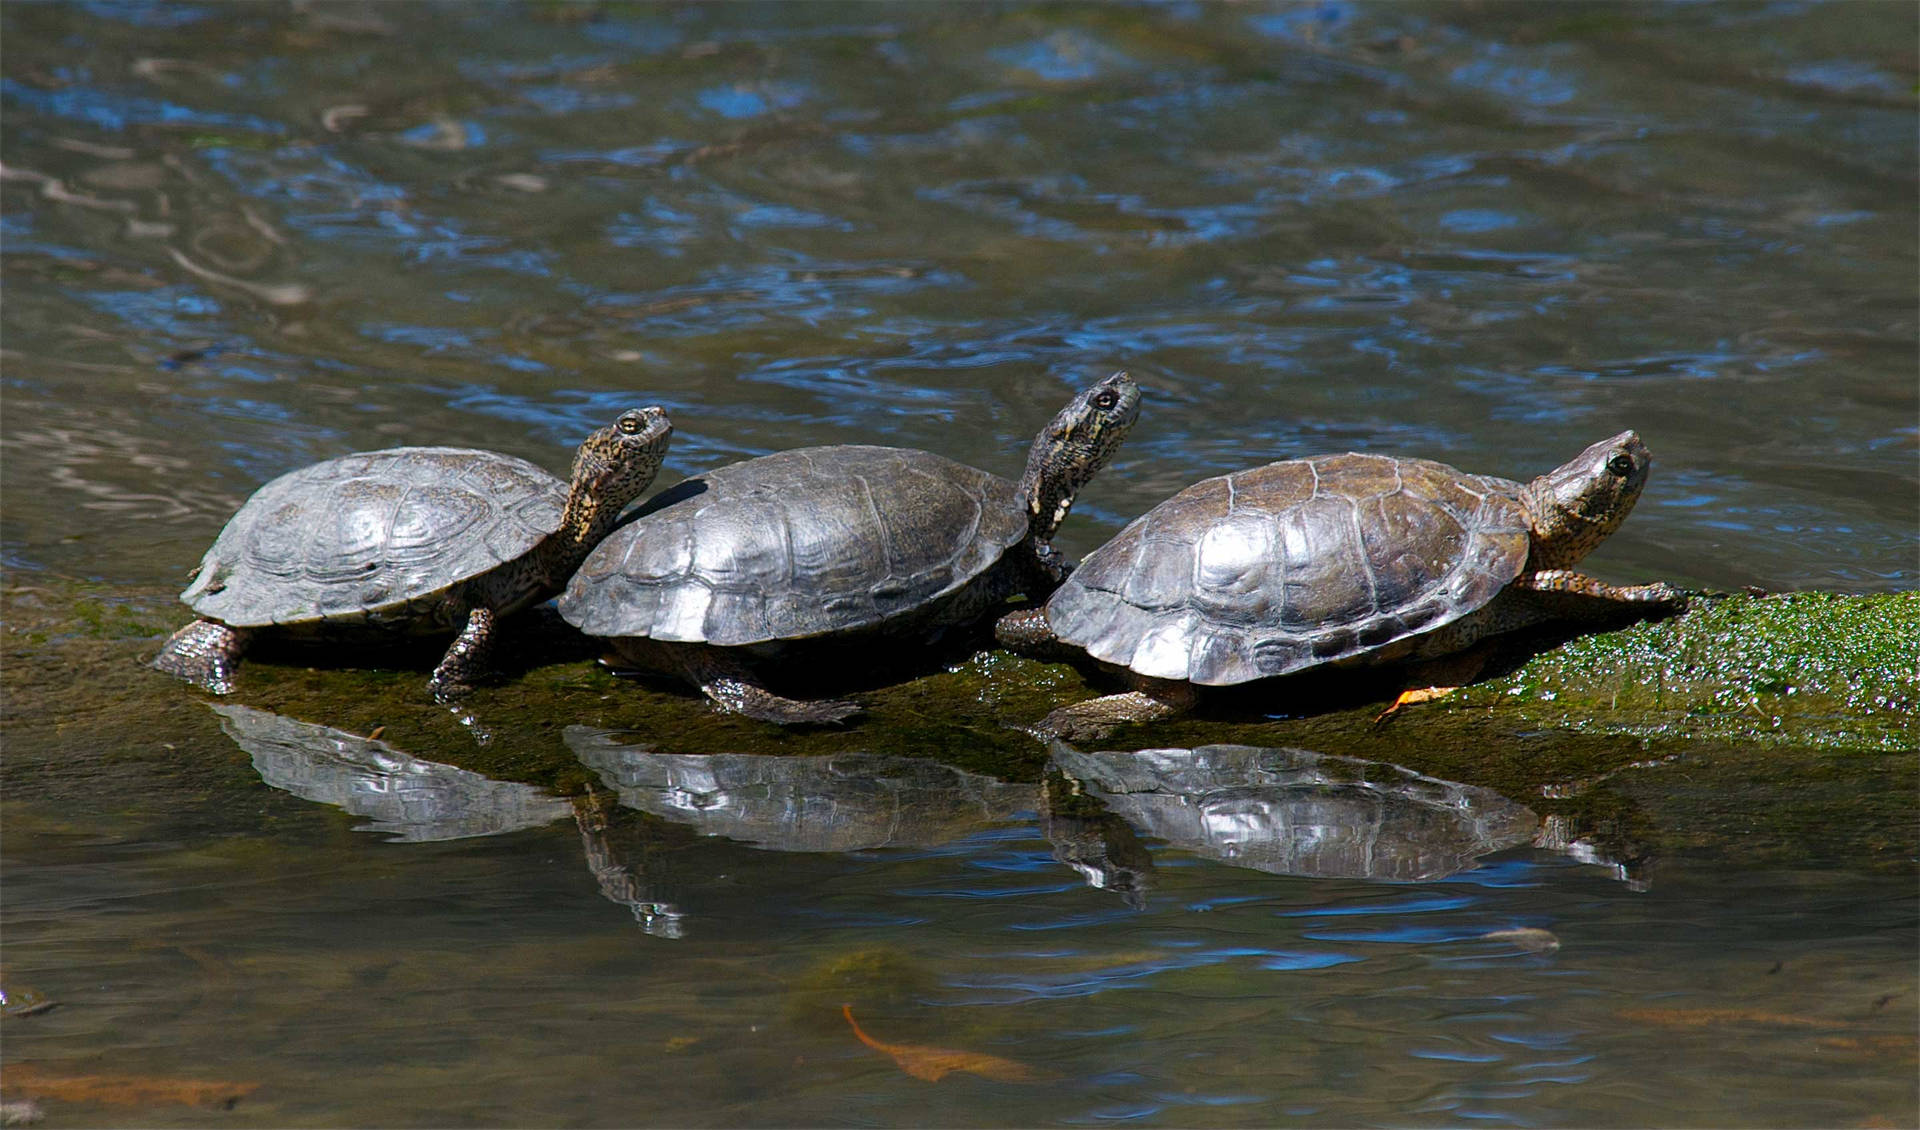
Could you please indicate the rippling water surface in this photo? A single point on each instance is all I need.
(239, 238)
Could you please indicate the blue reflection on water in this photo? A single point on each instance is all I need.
(115, 112)
(147, 13)
(1292, 961)
(1415, 905)
(170, 310)
(1846, 75)
(1402, 935)
(751, 101)
(1475, 220)
(1452, 1056)
(1535, 85)
(1064, 56)
(1012, 988)
(733, 102)
(1117, 1114)
(559, 100)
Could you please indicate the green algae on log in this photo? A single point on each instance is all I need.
(1818, 670)
(1810, 669)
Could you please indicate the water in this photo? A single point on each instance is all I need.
(240, 238)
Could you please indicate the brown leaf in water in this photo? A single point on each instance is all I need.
(1890, 1045)
(932, 1064)
(123, 1090)
(1708, 1017)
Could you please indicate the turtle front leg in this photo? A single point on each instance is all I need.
(204, 653)
(1556, 596)
(1562, 594)
(468, 661)
(1097, 717)
(733, 688)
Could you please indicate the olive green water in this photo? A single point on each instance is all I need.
(1659, 877)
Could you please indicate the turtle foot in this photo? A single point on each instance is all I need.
(736, 696)
(465, 664)
(203, 653)
(446, 691)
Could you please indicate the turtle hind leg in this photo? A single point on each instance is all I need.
(203, 653)
(739, 697)
(733, 688)
(468, 661)
(1097, 717)
(1026, 632)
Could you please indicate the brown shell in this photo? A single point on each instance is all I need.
(1278, 568)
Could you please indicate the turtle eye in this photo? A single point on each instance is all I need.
(1621, 465)
(630, 425)
(1105, 398)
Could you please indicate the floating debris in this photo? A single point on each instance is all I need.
(1527, 938)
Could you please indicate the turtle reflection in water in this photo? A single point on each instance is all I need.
(413, 800)
(1294, 812)
(861, 802)
(837, 803)
(818, 553)
(1334, 559)
(413, 540)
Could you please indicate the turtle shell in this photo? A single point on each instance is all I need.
(1277, 568)
(364, 535)
(798, 544)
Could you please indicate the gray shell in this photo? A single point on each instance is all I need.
(797, 544)
(1277, 568)
(362, 536)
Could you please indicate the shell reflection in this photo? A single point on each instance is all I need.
(1294, 812)
(406, 798)
(413, 800)
(838, 803)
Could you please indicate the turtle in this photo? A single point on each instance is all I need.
(1353, 559)
(407, 541)
(817, 552)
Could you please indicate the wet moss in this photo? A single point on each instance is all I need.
(1814, 669)
(1808, 675)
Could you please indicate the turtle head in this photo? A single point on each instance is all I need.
(619, 461)
(1577, 506)
(1072, 447)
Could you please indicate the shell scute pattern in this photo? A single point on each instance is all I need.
(365, 535)
(796, 544)
(1277, 568)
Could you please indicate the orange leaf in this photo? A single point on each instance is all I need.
(932, 1064)
(123, 1090)
(1707, 1017)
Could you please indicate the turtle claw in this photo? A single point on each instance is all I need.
(448, 692)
